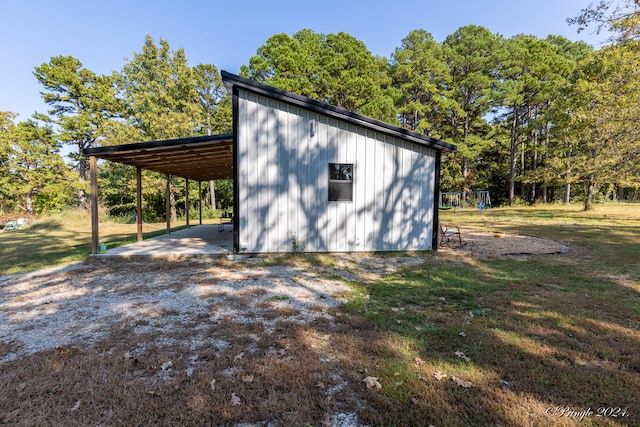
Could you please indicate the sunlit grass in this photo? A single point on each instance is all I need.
(65, 238)
(538, 331)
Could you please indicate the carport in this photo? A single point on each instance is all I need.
(198, 159)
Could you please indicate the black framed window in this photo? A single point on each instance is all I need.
(341, 182)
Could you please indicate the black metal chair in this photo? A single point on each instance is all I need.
(448, 232)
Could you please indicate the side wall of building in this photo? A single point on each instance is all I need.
(283, 174)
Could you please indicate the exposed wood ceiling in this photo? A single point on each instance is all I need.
(197, 159)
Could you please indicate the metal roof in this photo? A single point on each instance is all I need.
(199, 158)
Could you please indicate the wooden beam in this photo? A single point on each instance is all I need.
(93, 173)
(139, 201)
(186, 199)
(167, 196)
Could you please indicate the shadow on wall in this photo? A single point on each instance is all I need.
(283, 184)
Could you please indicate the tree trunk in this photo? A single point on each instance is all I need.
(82, 172)
(523, 192)
(590, 188)
(609, 194)
(545, 194)
(513, 156)
(212, 190)
(534, 166)
(28, 201)
(172, 203)
(465, 161)
(620, 193)
(567, 193)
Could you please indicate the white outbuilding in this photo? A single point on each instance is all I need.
(308, 176)
(315, 178)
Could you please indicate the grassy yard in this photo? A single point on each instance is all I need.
(520, 341)
(65, 238)
(554, 335)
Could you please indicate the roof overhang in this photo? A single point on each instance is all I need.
(200, 158)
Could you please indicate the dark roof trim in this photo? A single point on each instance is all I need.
(124, 148)
(231, 80)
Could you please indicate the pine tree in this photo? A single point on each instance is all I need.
(82, 103)
(34, 162)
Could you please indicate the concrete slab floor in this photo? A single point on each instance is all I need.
(206, 239)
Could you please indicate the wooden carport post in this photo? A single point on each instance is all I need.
(200, 200)
(168, 203)
(93, 173)
(139, 201)
(186, 199)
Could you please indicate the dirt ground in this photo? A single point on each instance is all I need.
(485, 244)
(137, 339)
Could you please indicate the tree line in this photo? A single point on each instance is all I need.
(535, 120)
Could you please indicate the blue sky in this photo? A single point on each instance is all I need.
(101, 34)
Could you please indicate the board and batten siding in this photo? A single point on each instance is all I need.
(283, 177)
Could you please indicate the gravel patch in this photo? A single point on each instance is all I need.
(485, 244)
(82, 302)
(177, 303)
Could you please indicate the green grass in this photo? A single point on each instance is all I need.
(539, 332)
(61, 239)
(561, 330)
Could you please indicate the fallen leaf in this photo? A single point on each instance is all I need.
(75, 407)
(470, 314)
(422, 378)
(415, 401)
(462, 334)
(396, 374)
(21, 386)
(127, 355)
(398, 383)
(462, 356)
(235, 400)
(140, 344)
(372, 382)
(419, 361)
(166, 366)
(461, 382)
(282, 351)
(212, 384)
(440, 375)
(193, 358)
(395, 309)
(189, 372)
(418, 328)
(441, 298)
(239, 356)
(247, 378)
(325, 422)
(320, 385)
(399, 322)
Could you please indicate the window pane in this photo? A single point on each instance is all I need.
(334, 171)
(340, 171)
(345, 172)
(341, 182)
